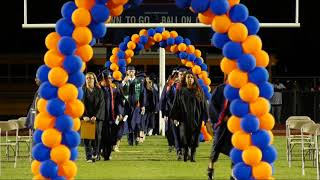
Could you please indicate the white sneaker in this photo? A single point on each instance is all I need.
(116, 149)
(89, 161)
(150, 132)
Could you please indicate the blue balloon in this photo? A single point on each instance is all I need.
(205, 88)
(49, 169)
(64, 27)
(127, 6)
(178, 40)
(183, 55)
(204, 67)
(187, 41)
(163, 44)
(242, 171)
(239, 108)
(246, 62)
(259, 75)
(249, 123)
(59, 178)
(107, 64)
(99, 13)
(219, 7)
(98, 30)
(72, 64)
(139, 47)
(40, 152)
(151, 32)
(191, 57)
(159, 29)
(201, 82)
(170, 41)
(266, 90)
(231, 93)
(201, 138)
(56, 107)
(200, 6)
(239, 13)
(122, 62)
(261, 138)
(198, 61)
(143, 39)
(252, 24)
(77, 79)
(218, 40)
(101, 1)
(121, 54)
(67, 10)
(80, 93)
(42, 73)
(37, 136)
(93, 42)
(74, 154)
(123, 46)
(208, 95)
(126, 39)
(67, 46)
(47, 91)
(137, 3)
(269, 154)
(71, 139)
(64, 123)
(183, 4)
(232, 50)
(236, 155)
(123, 70)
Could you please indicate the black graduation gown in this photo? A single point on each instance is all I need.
(32, 112)
(222, 136)
(94, 103)
(150, 102)
(190, 112)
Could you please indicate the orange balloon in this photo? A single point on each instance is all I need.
(204, 74)
(42, 105)
(157, 37)
(233, 2)
(87, 4)
(131, 45)
(122, 2)
(76, 124)
(165, 35)
(116, 11)
(68, 169)
(135, 38)
(209, 13)
(238, 32)
(207, 81)
(183, 61)
(252, 155)
(58, 76)
(262, 58)
(82, 35)
(182, 47)
(53, 58)
(266, 121)
(114, 58)
(260, 107)
(35, 167)
(197, 53)
(196, 69)
(115, 50)
(151, 41)
(52, 40)
(174, 48)
(128, 60)
(241, 140)
(74, 108)
(81, 17)
(129, 53)
(189, 64)
(174, 34)
(68, 92)
(51, 137)
(143, 32)
(84, 66)
(114, 67)
(85, 52)
(233, 124)
(237, 78)
(271, 137)
(38, 177)
(263, 170)
(252, 44)
(249, 92)
(227, 65)
(191, 49)
(221, 24)
(60, 154)
(117, 75)
(205, 19)
(44, 121)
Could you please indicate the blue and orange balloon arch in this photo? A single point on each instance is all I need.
(69, 48)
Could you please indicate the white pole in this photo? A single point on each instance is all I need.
(166, 25)
(297, 11)
(25, 12)
(162, 81)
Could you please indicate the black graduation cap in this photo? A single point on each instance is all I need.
(182, 69)
(103, 73)
(131, 68)
(141, 74)
(152, 76)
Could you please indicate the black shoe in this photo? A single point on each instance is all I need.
(193, 157)
(179, 155)
(232, 178)
(210, 173)
(185, 156)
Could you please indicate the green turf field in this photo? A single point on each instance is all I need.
(151, 160)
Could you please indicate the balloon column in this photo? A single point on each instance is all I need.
(248, 88)
(182, 47)
(69, 48)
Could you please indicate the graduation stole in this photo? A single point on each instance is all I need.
(112, 103)
(137, 89)
(222, 114)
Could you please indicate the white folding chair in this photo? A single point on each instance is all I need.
(13, 145)
(294, 123)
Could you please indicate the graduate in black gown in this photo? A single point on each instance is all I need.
(188, 111)
(94, 103)
(219, 114)
(32, 112)
(114, 114)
